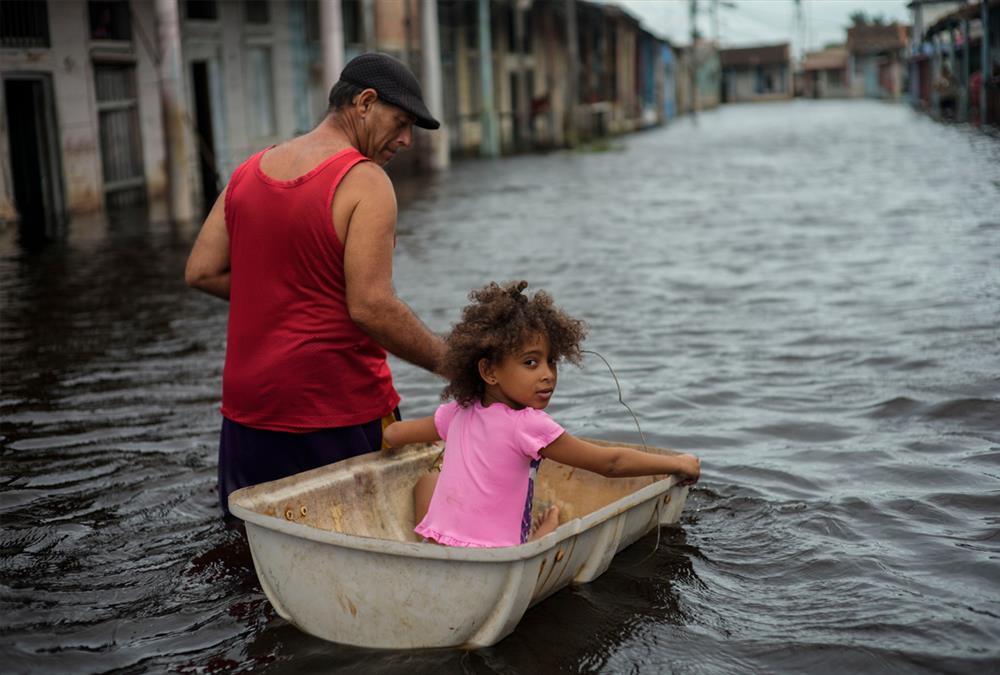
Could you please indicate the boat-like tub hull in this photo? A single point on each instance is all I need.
(336, 555)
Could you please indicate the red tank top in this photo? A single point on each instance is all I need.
(295, 361)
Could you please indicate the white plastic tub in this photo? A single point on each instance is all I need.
(335, 551)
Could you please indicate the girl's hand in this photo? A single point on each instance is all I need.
(689, 470)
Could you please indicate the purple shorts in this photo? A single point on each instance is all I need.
(249, 456)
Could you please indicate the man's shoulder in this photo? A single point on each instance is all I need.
(367, 180)
(368, 174)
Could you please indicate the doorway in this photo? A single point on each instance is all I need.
(204, 137)
(33, 157)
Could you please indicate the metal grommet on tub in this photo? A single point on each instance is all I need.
(289, 515)
(302, 510)
(666, 498)
(559, 555)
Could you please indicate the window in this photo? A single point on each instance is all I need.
(204, 10)
(260, 93)
(24, 24)
(512, 31)
(110, 20)
(257, 11)
(121, 146)
(354, 31)
(470, 22)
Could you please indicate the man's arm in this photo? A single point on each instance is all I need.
(371, 299)
(208, 265)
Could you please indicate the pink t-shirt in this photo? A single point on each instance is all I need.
(483, 496)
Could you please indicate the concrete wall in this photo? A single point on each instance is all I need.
(876, 75)
(741, 83)
(828, 83)
(626, 107)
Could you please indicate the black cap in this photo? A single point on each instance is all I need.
(394, 83)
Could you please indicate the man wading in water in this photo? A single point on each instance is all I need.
(300, 242)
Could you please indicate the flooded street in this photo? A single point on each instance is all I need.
(805, 294)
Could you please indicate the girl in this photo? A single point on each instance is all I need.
(501, 366)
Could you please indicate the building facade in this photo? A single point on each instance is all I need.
(954, 60)
(877, 54)
(109, 103)
(81, 123)
(761, 73)
(825, 74)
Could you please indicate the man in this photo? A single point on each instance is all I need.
(300, 242)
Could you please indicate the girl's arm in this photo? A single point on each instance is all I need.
(411, 431)
(620, 462)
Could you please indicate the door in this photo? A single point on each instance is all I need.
(204, 136)
(34, 159)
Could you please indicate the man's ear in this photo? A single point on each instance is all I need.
(366, 100)
(486, 371)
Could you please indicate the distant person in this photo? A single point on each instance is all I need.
(947, 91)
(975, 84)
(502, 369)
(300, 242)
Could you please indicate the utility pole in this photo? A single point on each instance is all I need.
(331, 41)
(180, 203)
(963, 106)
(693, 11)
(523, 111)
(489, 145)
(430, 44)
(800, 29)
(987, 64)
(715, 21)
(570, 133)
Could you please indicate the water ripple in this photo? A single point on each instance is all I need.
(827, 346)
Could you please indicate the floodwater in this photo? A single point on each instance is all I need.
(805, 294)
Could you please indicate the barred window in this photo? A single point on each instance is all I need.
(121, 141)
(24, 24)
(110, 20)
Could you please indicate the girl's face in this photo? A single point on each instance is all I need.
(524, 379)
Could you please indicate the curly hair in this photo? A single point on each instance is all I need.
(495, 325)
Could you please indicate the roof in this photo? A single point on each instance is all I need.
(831, 58)
(609, 10)
(969, 12)
(868, 38)
(755, 56)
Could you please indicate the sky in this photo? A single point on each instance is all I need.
(748, 22)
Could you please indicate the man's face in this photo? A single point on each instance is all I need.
(389, 130)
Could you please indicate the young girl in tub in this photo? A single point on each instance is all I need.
(501, 366)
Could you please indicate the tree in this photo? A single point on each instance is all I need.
(861, 18)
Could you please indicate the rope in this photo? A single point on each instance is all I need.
(645, 447)
(621, 400)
